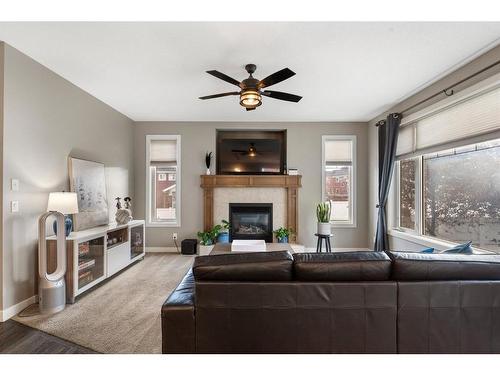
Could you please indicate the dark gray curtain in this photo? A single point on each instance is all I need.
(381, 148)
(388, 140)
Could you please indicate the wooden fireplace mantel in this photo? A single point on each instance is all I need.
(290, 183)
(283, 181)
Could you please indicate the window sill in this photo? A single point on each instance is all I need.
(163, 225)
(425, 241)
(343, 226)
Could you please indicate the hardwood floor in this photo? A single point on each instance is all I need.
(16, 338)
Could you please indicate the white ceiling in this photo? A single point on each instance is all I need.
(345, 71)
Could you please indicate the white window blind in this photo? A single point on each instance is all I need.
(163, 151)
(338, 152)
(163, 182)
(468, 118)
(406, 140)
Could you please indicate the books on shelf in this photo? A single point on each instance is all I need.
(83, 248)
(85, 277)
(85, 263)
(84, 274)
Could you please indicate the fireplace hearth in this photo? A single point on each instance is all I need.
(251, 221)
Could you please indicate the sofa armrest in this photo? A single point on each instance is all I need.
(177, 318)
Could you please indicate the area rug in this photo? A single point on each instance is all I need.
(122, 315)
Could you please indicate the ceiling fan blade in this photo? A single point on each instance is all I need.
(250, 109)
(239, 151)
(224, 77)
(276, 78)
(219, 95)
(282, 96)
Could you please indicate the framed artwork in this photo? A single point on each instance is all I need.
(88, 180)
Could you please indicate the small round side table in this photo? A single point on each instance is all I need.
(326, 238)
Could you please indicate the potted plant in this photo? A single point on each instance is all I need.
(283, 234)
(224, 232)
(323, 211)
(207, 239)
(208, 161)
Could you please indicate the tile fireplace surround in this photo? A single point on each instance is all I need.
(280, 190)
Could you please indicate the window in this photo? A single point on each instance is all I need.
(407, 198)
(460, 194)
(448, 170)
(163, 180)
(338, 178)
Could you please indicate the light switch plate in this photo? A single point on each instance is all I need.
(14, 184)
(14, 206)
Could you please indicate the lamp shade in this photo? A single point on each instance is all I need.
(63, 202)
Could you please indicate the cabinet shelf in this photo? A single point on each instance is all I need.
(91, 258)
(117, 238)
(85, 264)
(95, 254)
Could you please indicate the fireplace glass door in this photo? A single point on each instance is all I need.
(251, 221)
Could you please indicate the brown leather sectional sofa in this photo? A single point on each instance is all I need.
(362, 302)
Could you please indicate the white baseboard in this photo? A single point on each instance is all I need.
(17, 308)
(161, 249)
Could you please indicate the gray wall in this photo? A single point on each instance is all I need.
(475, 65)
(1, 169)
(47, 119)
(304, 153)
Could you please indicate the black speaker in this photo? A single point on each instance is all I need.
(188, 246)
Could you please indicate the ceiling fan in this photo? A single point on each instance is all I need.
(251, 151)
(252, 89)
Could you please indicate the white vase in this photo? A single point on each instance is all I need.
(205, 250)
(325, 229)
(208, 172)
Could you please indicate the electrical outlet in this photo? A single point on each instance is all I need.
(174, 236)
(14, 184)
(14, 206)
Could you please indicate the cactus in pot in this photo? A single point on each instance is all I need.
(323, 212)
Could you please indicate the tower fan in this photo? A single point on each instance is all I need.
(51, 287)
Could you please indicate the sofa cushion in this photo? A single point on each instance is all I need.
(261, 266)
(426, 267)
(346, 266)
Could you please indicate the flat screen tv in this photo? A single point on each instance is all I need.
(251, 152)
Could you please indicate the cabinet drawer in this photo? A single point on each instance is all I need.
(118, 257)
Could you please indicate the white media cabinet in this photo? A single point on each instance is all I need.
(95, 254)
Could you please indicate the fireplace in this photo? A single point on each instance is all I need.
(251, 221)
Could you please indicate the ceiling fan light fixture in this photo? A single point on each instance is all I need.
(252, 152)
(250, 98)
(251, 89)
